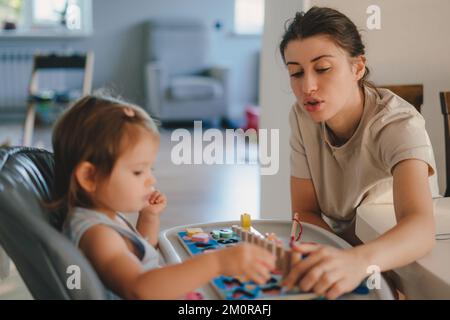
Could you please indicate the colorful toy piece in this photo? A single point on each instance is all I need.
(226, 233)
(200, 237)
(362, 289)
(273, 237)
(246, 221)
(215, 234)
(194, 296)
(192, 231)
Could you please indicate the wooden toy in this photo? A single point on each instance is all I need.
(215, 234)
(192, 231)
(200, 237)
(279, 251)
(236, 230)
(244, 235)
(196, 241)
(246, 221)
(226, 233)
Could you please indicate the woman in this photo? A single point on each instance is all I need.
(351, 144)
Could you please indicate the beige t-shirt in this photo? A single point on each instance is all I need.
(360, 171)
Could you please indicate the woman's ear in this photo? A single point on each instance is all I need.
(360, 67)
(86, 176)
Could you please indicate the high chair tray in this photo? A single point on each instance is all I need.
(176, 247)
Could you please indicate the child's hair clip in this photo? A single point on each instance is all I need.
(129, 112)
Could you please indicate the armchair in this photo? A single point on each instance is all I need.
(180, 84)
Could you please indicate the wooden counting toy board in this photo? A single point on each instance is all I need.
(230, 288)
(180, 243)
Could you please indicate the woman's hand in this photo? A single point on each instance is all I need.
(327, 271)
(156, 204)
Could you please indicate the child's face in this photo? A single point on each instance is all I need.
(131, 182)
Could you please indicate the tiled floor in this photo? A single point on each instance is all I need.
(196, 193)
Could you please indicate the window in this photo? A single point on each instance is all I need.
(10, 13)
(37, 17)
(248, 16)
(57, 12)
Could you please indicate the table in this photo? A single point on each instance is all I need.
(428, 277)
(174, 252)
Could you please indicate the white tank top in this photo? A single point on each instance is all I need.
(81, 219)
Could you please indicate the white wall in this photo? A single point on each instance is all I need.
(276, 100)
(412, 47)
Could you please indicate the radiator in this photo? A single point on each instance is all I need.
(15, 72)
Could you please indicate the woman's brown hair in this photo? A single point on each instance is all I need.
(91, 130)
(329, 22)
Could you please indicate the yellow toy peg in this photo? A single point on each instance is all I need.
(246, 221)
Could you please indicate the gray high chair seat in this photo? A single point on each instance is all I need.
(43, 256)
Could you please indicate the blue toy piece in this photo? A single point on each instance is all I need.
(362, 289)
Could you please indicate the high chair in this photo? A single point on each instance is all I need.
(44, 257)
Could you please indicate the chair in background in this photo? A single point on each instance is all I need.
(56, 80)
(43, 256)
(412, 93)
(180, 84)
(445, 108)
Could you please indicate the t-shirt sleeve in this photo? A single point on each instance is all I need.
(403, 136)
(299, 162)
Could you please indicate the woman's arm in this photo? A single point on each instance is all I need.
(414, 234)
(333, 272)
(304, 202)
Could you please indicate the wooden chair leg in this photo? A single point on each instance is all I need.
(29, 125)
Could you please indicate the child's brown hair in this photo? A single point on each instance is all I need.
(91, 130)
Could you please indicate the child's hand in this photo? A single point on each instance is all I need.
(327, 271)
(248, 260)
(157, 203)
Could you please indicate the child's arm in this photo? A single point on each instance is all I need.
(148, 221)
(177, 280)
(121, 271)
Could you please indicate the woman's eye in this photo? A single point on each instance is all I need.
(137, 173)
(322, 70)
(297, 74)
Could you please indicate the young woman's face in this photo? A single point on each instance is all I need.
(131, 182)
(322, 77)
